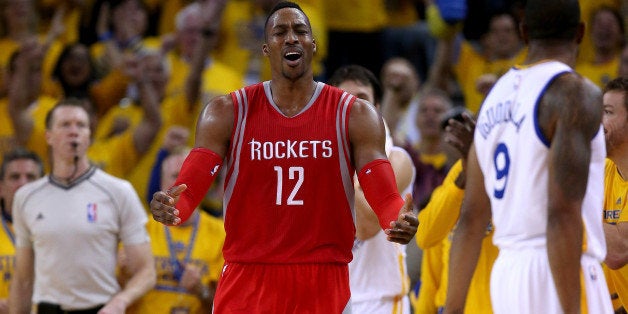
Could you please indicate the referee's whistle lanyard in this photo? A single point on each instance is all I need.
(177, 266)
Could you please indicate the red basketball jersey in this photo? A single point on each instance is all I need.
(289, 189)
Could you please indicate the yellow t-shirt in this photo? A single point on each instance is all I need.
(218, 78)
(48, 85)
(7, 257)
(206, 253)
(7, 134)
(615, 195)
(470, 65)
(437, 220)
(600, 74)
(125, 116)
(37, 141)
(431, 273)
(139, 173)
(115, 155)
(355, 16)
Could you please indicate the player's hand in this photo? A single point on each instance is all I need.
(404, 229)
(117, 305)
(162, 205)
(4, 306)
(459, 134)
(191, 279)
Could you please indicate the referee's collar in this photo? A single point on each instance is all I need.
(66, 186)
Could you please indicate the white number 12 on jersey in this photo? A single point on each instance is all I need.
(291, 176)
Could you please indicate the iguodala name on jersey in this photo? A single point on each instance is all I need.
(503, 112)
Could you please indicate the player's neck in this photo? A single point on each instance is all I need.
(291, 97)
(546, 50)
(621, 161)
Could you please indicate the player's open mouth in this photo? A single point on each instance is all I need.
(292, 56)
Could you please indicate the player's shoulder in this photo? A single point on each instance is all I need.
(400, 156)
(570, 92)
(573, 84)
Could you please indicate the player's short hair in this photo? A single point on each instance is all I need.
(552, 19)
(358, 73)
(19, 154)
(619, 84)
(72, 102)
(282, 5)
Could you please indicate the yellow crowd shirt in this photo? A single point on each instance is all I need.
(471, 64)
(204, 251)
(37, 141)
(355, 15)
(48, 85)
(437, 220)
(616, 193)
(7, 134)
(7, 257)
(600, 74)
(218, 78)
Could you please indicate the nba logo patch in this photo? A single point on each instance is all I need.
(92, 212)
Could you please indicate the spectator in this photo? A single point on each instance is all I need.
(18, 168)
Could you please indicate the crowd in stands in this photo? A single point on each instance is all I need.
(143, 69)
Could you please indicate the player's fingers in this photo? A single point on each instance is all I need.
(407, 205)
(162, 211)
(162, 197)
(398, 236)
(176, 190)
(468, 119)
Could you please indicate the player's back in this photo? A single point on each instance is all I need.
(513, 155)
(288, 190)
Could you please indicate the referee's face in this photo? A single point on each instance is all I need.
(69, 132)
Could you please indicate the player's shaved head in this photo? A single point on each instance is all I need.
(552, 19)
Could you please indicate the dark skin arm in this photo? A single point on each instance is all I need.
(213, 131)
(570, 116)
(367, 135)
(475, 215)
(367, 224)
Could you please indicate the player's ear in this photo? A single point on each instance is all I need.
(314, 44)
(265, 49)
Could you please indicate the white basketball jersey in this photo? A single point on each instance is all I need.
(513, 156)
(378, 271)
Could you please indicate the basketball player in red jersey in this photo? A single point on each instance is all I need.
(291, 146)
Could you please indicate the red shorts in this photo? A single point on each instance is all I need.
(283, 288)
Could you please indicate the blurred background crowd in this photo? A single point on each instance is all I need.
(144, 69)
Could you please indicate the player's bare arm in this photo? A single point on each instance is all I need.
(367, 135)
(213, 131)
(367, 224)
(570, 116)
(466, 245)
(616, 245)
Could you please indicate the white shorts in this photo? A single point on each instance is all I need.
(400, 306)
(521, 282)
